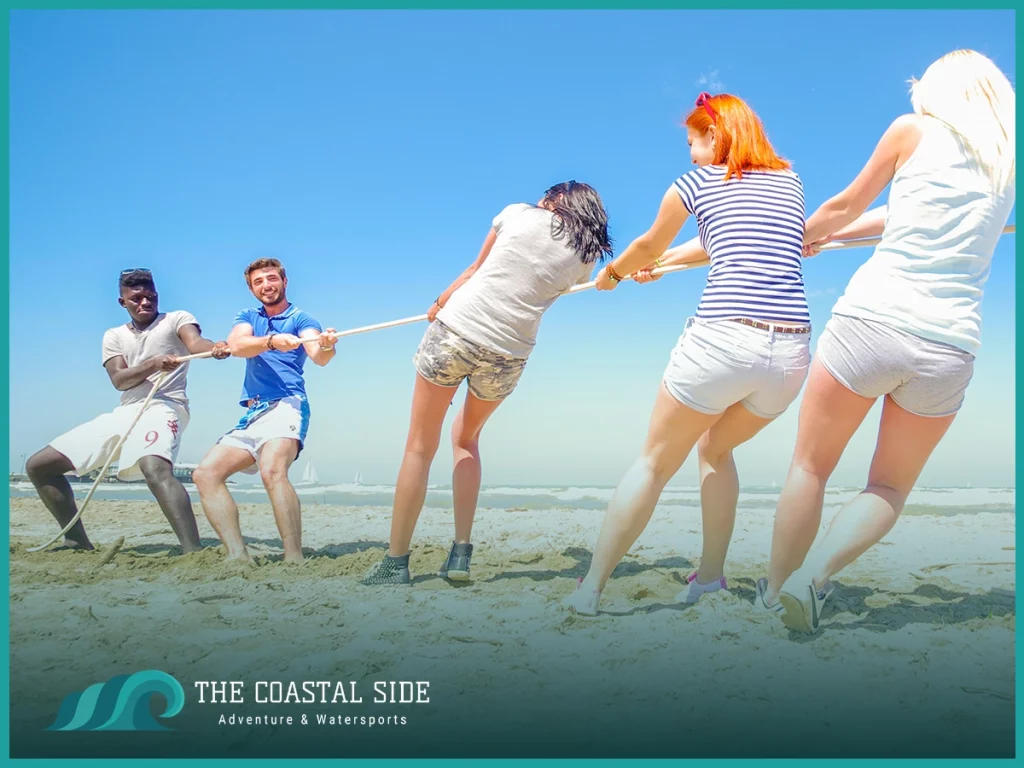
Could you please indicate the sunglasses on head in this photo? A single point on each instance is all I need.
(136, 269)
(704, 100)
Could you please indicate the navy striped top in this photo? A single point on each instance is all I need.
(753, 231)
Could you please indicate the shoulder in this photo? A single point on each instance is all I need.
(510, 212)
(180, 317)
(695, 180)
(906, 128)
(246, 315)
(303, 319)
(113, 334)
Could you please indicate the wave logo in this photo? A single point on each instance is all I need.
(121, 704)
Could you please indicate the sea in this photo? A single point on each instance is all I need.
(512, 498)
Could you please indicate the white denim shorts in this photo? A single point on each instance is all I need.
(718, 363)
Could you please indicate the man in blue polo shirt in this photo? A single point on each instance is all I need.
(275, 338)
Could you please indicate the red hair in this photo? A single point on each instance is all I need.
(742, 144)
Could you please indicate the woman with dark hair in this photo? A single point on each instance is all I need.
(483, 328)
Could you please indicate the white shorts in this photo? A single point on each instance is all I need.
(287, 418)
(718, 363)
(158, 433)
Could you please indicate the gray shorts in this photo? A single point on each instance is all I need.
(927, 378)
(445, 358)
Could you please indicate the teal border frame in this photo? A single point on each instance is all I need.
(637, 5)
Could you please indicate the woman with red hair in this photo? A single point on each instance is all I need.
(742, 358)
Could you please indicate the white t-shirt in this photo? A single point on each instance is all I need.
(501, 305)
(160, 338)
(927, 276)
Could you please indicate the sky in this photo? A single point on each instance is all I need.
(369, 151)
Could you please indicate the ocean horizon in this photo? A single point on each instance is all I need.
(923, 500)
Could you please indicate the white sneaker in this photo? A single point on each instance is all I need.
(583, 603)
(759, 602)
(803, 605)
(694, 589)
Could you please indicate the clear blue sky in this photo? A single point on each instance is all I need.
(369, 152)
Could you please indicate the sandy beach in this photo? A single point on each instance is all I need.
(915, 657)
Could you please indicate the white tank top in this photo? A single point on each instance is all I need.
(928, 274)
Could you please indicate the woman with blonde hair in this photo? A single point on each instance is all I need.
(907, 327)
(742, 359)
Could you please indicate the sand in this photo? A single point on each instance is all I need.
(915, 656)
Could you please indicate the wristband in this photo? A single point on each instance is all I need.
(612, 274)
(270, 341)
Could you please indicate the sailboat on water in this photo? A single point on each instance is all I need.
(309, 476)
(359, 478)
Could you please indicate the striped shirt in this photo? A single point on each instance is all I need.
(752, 229)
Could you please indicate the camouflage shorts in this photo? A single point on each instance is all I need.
(445, 358)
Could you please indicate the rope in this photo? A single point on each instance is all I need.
(117, 449)
(835, 246)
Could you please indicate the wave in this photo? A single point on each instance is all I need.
(121, 704)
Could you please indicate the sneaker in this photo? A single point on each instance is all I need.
(803, 606)
(392, 571)
(456, 565)
(583, 603)
(694, 589)
(759, 601)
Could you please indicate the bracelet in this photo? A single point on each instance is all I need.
(614, 276)
(326, 349)
(438, 302)
(270, 341)
(657, 263)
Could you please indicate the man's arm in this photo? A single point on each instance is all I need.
(321, 349)
(242, 343)
(196, 344)
(124, 378)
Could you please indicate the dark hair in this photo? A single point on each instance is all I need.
(580, 213)
(263, 264)
(136, 278)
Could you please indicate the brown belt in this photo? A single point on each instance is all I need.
(769, 327)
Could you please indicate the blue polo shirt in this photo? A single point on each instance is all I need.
(274, 375)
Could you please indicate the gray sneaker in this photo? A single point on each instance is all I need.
(456, 565)
(391, 571)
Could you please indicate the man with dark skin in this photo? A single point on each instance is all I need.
(134, 355)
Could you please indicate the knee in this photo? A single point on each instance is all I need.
(422, 446)
(462, 441)
(155, 469)
(205, 478)
(814, 465)
(40, 466)
(273, 474)
(710, 455)
(890, 493)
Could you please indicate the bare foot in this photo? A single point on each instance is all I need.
(293, 558)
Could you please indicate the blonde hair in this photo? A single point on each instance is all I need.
(971, 95)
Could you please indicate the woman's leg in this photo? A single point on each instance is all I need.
(720, 485)
(905, 442)
(829, 415)
(466, 470)
(673, 431)
(430, 403)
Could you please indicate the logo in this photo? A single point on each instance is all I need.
(173, 426)
(121, 704)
